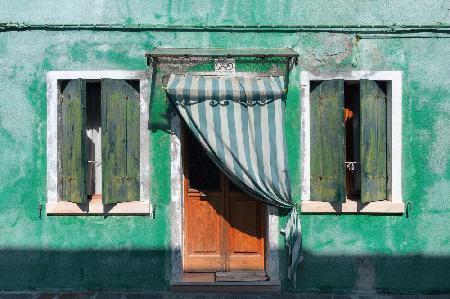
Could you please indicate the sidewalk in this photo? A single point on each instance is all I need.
(162, 295)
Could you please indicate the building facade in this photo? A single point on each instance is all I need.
(400, 244)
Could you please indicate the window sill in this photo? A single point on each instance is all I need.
(352, 207)
(96, 207)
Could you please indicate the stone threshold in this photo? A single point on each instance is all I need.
(226, 287)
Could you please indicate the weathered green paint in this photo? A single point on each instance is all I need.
(120, 141)
(72, 141)
(344, 253)
(327, 141)
(373, 144)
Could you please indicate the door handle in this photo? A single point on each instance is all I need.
(203, 195)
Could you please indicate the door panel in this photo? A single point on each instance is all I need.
(246, 235)
(223, 226)
(206, 222)
(203, 210)
(203, 251)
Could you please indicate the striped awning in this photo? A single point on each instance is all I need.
(240, 123)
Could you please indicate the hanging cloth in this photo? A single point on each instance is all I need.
(240, 123)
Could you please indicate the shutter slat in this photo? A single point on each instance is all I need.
(73, 141)
(327, 141)
(120, 141)
(373, 144)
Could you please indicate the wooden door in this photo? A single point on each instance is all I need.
(223, 226)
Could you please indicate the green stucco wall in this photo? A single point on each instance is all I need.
(393, 254)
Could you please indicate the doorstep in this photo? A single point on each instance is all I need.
(206, 283)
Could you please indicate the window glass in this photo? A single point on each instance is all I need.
(203, 173)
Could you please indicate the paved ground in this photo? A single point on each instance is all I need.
(121, 295)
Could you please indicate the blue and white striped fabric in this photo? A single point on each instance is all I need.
(240, 123)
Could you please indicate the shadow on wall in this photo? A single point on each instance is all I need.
(373, 273)
(83, 269)
(135, 270)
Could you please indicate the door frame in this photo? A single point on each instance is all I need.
(177, 214)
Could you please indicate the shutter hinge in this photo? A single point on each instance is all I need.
(40, 211)
(408, 209)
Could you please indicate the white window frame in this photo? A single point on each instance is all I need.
(55, 207)
(394, 204)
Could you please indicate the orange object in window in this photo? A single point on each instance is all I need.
(347, 114)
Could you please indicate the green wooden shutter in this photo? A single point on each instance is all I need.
(72, 141)
(373, 141)
(120, 141)
(327, 141)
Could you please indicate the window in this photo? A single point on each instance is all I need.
(97, 141)
(351, 143)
